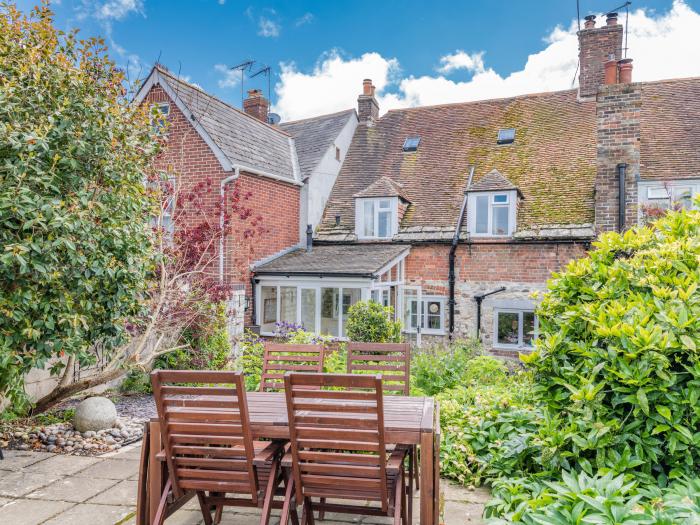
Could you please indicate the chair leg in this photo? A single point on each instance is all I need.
(405, 513)
(269, 493)
(308, 515)
(206, 511)
(414, 458)
(218, 513)
(400, 489)
(411, 478)
(287, 506)
(321, 512)
(160, 513)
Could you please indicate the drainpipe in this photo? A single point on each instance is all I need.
(621, 173)
(222, 194)
(453, 252)
(479, 299)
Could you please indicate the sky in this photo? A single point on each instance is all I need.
(416, 53)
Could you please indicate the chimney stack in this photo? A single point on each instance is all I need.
(597, 45)
(367, 105)
(256, 105)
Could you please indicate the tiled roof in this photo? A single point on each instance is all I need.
(337, 259)
(313, 136)
(383, 187)
(552, 161)
(670, 129)
(243, 139)
(493, 181)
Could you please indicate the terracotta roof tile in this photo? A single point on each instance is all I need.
(493, 181)
(383, 187)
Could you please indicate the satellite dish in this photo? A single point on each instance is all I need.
(273, 118)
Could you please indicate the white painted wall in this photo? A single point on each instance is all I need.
(326, 172)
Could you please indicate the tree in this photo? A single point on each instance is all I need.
(617, 360)
(75, 249)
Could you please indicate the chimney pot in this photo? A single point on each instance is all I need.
(611, 71)
(309, 237)
(625, 68)
(589, 22)
(367, 87)
(611, 19)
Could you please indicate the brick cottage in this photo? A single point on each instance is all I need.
(454, 214)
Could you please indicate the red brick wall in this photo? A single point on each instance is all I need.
(595, 47)
(273, 205)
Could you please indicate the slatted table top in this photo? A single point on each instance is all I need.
(405, 417)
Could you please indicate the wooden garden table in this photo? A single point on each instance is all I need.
(407, 420)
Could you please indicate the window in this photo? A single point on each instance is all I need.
(159, 117)
(506, 136)
(376, 218)
(493, 214)
(337, 153)
(428, 315)
(411, 144)
(514, 328)
(656, 197)
(268, 309)
(169, 191)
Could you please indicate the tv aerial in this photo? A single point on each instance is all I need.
(244, 66)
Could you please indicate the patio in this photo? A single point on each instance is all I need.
(43, 488)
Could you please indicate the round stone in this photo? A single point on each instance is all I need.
(95, 414)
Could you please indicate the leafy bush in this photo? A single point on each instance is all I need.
(617, 362)
(370, 322)
(441, 368)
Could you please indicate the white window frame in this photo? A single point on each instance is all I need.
(664, 192)
(423, 315)
(158, 124)
(360, 217)
(512, 207)
(520, 311)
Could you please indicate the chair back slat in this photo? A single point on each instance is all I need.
(337, 436)
(281, 358)
(206, 432)
(392, 360)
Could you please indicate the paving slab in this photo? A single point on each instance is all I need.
(62, 465)
(17, 484)
(76, 490)
(88, 514)
(457, 512)
(110, 469)
(31, 512)
(454, 492)
(16, 460)
(123, 493)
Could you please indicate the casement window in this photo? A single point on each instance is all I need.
(426, 315)
(655, 197)
(169, 206)
(492, 214)
(159, 117)
(514, 328)
(376, 218)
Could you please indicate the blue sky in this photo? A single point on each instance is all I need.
(417, 52)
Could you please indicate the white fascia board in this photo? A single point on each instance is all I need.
(396, 260)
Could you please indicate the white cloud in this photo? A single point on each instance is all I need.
(306, 18)
(268, 28)
(230, 78)
(222, 2)
(109, 10)
(659, 44)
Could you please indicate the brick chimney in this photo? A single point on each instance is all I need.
(367, 106)
(597, 45)
(256, 105)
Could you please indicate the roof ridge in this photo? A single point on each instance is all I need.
(162, 69)
(317, 117)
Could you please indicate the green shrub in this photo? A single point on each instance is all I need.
(136, 382)
(440, 368)
(250, 360)
(484, 370)
(617, 361)
(370, 322)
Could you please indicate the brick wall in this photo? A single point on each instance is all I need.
(521, 268)
(595, 47)
(273, 205)
(618, 137)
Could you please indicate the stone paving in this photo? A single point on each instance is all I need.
(43, 488)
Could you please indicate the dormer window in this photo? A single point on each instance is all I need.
(376, 218)
(492, 214)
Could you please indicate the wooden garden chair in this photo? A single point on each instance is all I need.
(393, 361)
(281, 358)
(209, 449)
(338, 448)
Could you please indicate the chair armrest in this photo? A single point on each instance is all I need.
(395, 462)
(267, 454)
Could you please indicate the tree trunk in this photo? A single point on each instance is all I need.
(63, 392)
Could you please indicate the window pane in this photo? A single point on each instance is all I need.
(384, 204)
(269, 308)
(482, 214)
(684, 197)
(500, 199)
(383, 227)
(434, 317)
(369, 219)
(288, 304)
(507, 328)
(329, 311)
(413, 315)
(308, 309)
(528, 328)
(350, 297)
(500, 220)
